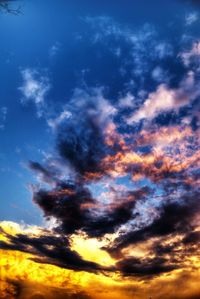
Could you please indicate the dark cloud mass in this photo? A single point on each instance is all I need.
(84, 146)
(145, 267)
(75, 209)
(174, 218)
(81, 138)
(51, 250)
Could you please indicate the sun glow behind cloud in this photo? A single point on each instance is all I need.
(21, 275)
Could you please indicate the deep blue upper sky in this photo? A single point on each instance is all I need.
(55, 47)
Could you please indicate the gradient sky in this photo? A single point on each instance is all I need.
(99, 149)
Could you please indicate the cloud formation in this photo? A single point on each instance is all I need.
(49, 249)
(124, 170)
(165, 99)
(34, 88)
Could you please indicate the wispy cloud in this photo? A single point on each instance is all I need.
(54, 49)
(3, 116)
(191, 18)
(35, 87)
(54, 123)
(192, 55)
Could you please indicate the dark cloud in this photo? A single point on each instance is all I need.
(47, 174)
(144, 267)
(81, 138)
(82, 145)
(74, 209)
(49, 249)
(173, 218)
(192, 238)
(64, 203)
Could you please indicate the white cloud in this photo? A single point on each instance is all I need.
(191, 18)
(162, 99)
(55, 122)
(165, 99)
(34, 88)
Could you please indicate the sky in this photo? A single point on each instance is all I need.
(99, 149)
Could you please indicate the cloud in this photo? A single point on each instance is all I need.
(191, 18)
(165, 99)
(174, 218)
(34, 89)
(127, 101)
(3, 116)
(125, 188)
(131, 185)
(45, 174)
(49, 249)
(138, 49)
(76, 209)
(156, 199)
(144, 267)
(130, 215)
(191, 55)
(20, 289)
(54, 49)
(163, 49)
(54, 123)
(159, 75)
(81, 137)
